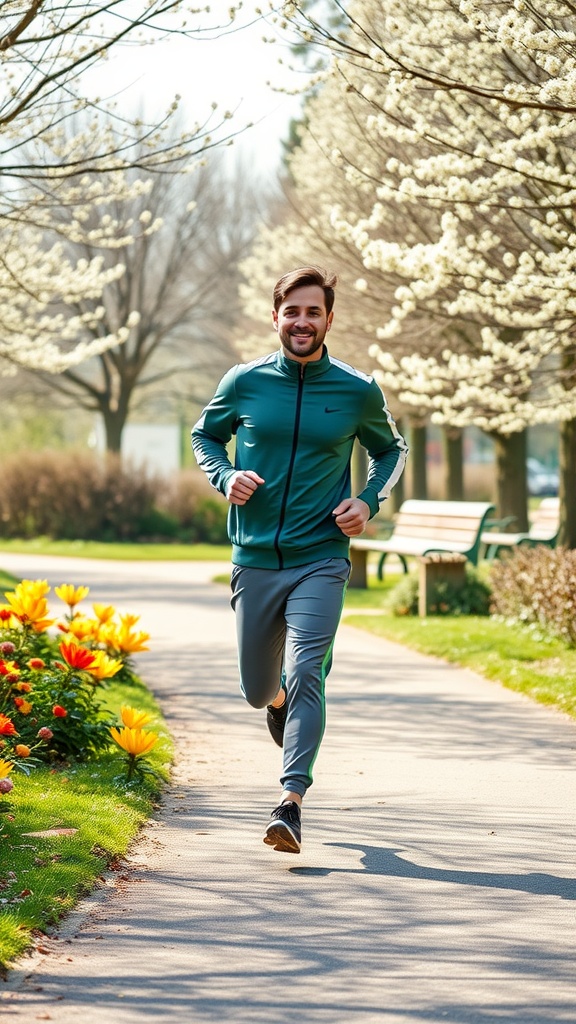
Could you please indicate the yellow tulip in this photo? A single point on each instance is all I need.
(104, 612)
(70, 594)
(134, 719)
(129, 619)
(134, 741)
(103, 666)
(29, 604)
(82, 628)
(129, 642)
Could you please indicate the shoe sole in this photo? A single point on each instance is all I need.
(281, 838)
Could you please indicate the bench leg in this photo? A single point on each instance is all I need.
(380, 569)
(433, 570)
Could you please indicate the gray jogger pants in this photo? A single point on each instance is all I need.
(286, 620)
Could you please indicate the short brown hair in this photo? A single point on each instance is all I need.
(301, 277)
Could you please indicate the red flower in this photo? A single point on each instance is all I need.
(76, 656)
(45, 733)
(59, 711)
(7, 727)
(36, 663)
(24, 706)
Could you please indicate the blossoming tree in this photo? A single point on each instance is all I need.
(192, 230)
(47, 164)
(334, 167)
(477, 102)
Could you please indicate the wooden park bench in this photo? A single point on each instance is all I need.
(426, 528)
(544, 529)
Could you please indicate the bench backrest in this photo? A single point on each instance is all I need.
(446, 521)
(545, 520)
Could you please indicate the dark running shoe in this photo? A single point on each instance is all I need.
(283, 831)
(276, 720)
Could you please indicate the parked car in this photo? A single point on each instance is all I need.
(542, 480)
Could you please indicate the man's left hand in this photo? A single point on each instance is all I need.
(351, 516)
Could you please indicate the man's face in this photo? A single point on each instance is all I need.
(302, 323)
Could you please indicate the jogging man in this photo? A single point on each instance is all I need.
(295, 414)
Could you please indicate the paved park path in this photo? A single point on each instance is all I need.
(437, 879)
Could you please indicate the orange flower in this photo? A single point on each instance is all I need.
(9, 668)
(24, 687)
(59, 711)
(36, 664)
(7, 726)
(24, 706)
(76, 656)
(22, 750)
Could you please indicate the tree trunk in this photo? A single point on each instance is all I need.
(567, 537)
(453, 439)
(399, 492)
(114, 423)
(418, 459)
(511, 480)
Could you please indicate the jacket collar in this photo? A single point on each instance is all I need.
(292, 367)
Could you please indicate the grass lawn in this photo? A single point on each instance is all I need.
(520, 658)
(120, 552)
(43, 877)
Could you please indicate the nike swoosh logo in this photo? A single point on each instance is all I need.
(250, 444)
(326, 409)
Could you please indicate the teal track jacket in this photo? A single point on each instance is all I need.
(295, 425)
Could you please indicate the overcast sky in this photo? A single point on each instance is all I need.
(230, 68)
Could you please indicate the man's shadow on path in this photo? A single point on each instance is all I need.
(378, 860)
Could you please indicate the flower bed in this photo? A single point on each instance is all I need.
(92, 770)
(52, 673)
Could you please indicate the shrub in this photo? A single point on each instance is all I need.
(199, 510)
(471, 599)
(81, 496)
(73, 495)
(538, 585)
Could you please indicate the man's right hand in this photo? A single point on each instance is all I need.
(241, 486)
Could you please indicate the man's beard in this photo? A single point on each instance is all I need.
(305, 347)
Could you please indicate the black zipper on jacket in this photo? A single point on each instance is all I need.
(291, 464)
